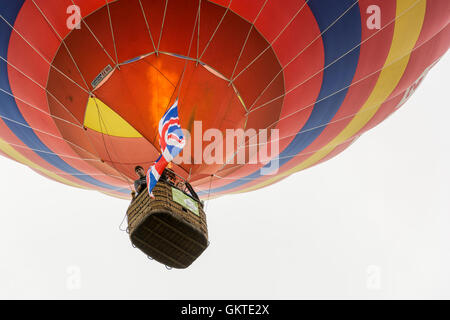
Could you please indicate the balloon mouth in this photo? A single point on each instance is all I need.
(108, 71)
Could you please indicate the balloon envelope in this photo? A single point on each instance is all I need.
(84, 83)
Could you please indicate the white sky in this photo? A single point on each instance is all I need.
(371, 223)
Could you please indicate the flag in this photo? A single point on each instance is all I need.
(171, 141)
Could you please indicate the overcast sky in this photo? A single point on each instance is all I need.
(371, 223)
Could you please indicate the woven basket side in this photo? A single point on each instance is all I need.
(166, 230)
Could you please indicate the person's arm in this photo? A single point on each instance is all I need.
(139, 186)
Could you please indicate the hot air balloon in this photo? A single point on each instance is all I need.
(84, 83)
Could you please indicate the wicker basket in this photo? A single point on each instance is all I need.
(165, 228)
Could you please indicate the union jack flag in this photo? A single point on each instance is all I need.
(171, 141)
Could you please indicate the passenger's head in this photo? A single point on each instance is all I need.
(139, 171)
(180, 185)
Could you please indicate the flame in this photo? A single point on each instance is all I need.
(160, 89)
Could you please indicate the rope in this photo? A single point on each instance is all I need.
(40, 86)
(188, 53)
(126, 179)
(148, 26)
(48, 152)
(62, 41)
(120, 225)
(246, 39)
(112, 33)
(318, 37)
(40, 110)
(198, 30)
(273, 41)
(95, 37)
(209, 192)
(162, 27)
(51, 135)
(217, 28)
(159, 71)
